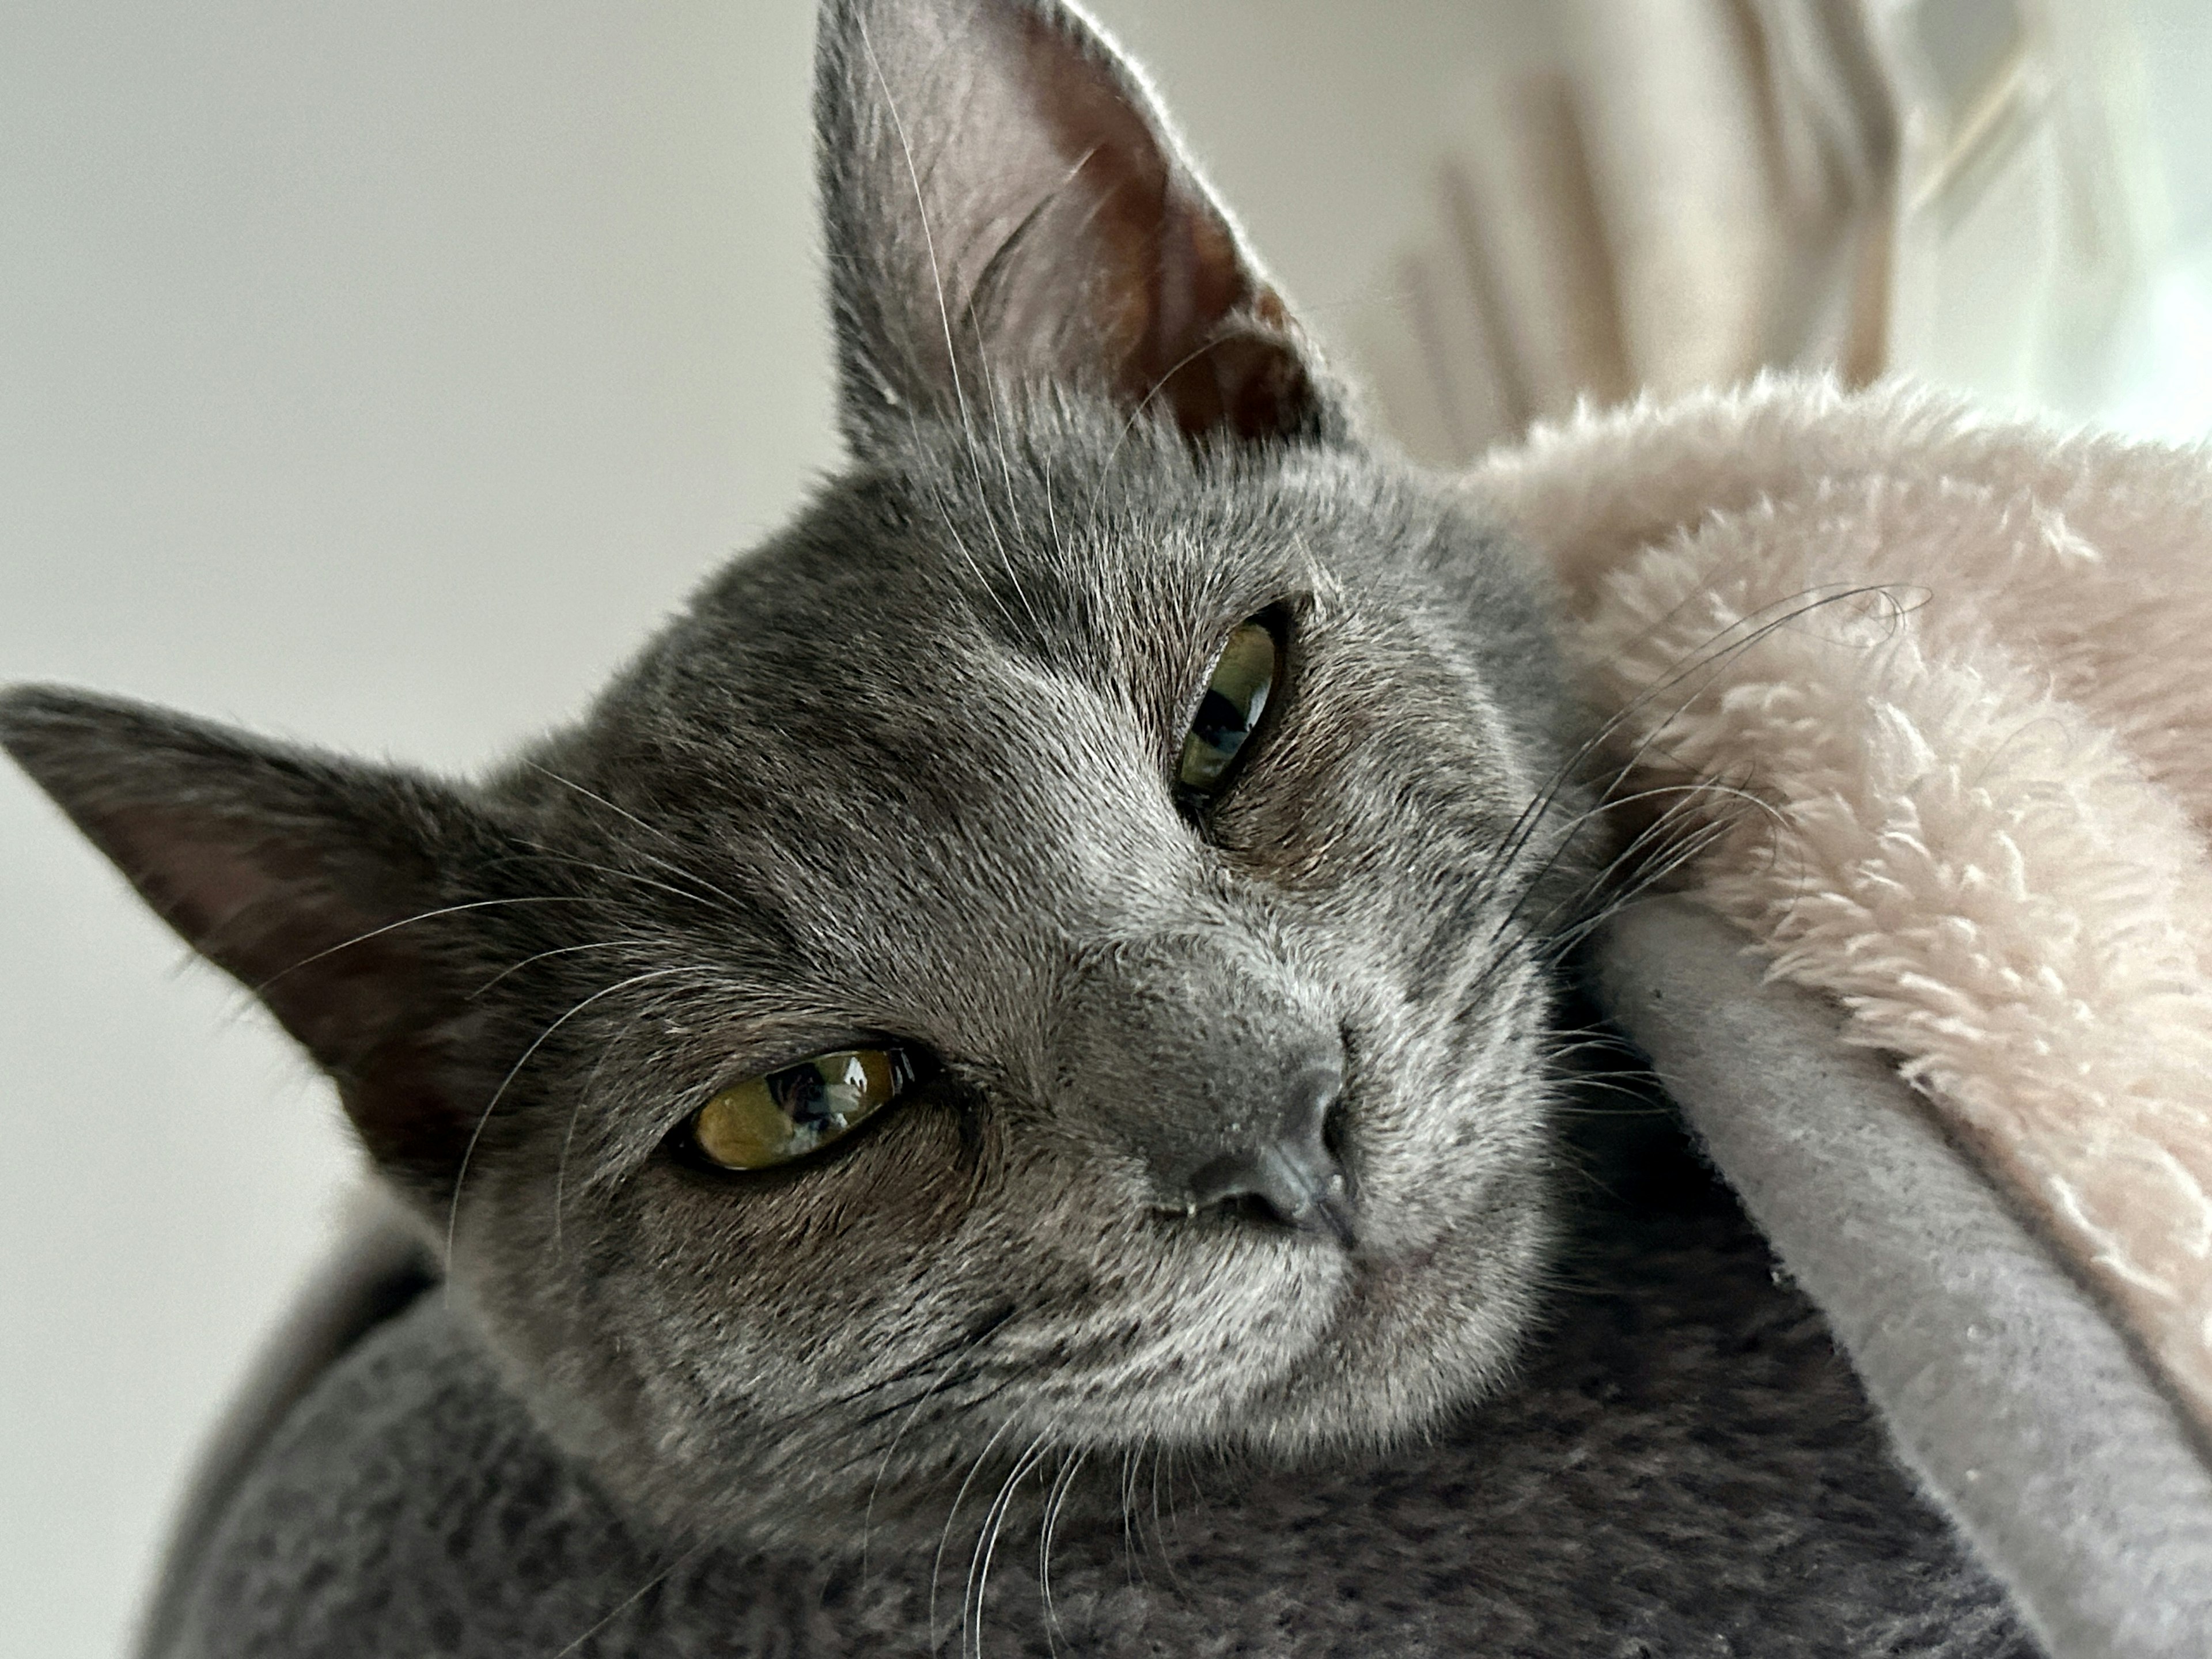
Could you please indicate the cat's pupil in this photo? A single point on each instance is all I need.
(803, 1095)
(1222, 723)
(1236, 695)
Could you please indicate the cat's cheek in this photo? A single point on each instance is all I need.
(1463, 1206)
(768, 1251)
(696, 1275)
(1441, 1154)
(1206, 1351)
(1420, 1336)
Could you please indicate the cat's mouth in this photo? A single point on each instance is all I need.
(1416, 1305)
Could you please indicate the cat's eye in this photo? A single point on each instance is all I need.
(1236, 696)
(780, 1115)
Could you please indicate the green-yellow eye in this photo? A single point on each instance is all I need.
(774, 1118)
(1235, 694)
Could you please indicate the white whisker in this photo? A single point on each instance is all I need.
(454, 1208)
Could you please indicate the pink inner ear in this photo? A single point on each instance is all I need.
(202, 886)
(352, 988)
(1248, 378)
(303, 878)
(1085, 250)
(267, 912)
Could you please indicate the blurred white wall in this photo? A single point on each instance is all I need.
(377, 375)
(374, 375)
(2162, 370)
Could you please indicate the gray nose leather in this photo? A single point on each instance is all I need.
(1291, 1177)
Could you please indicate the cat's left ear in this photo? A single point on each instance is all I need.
(333, 891)
(1005, 208)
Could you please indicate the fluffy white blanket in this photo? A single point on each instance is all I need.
(1965, 668)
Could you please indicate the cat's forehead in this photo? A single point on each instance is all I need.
(976, 589)
(954, 691)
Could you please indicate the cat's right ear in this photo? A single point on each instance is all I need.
(1005, 211)
(326, 887)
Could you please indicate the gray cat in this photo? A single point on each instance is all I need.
(1040, 987)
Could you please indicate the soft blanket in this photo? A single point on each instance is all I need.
(1927, 695)
(1964, 665)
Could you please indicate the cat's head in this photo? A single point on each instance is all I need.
(1051, 950)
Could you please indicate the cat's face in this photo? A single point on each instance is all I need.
(1218, 1088)
(869, 792)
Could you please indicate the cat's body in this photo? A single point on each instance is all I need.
(1159, 798)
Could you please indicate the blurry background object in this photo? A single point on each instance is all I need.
(1675, 193)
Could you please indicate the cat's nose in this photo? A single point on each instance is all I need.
(1220, 1071)
(1290, 1178)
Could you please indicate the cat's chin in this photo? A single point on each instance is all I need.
(1323, 1416)
(1420, 1334)
(1404, 1339)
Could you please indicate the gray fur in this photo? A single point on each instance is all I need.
(1683, 1466)
(905, 773)
(378, 1270)
(858, 789)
